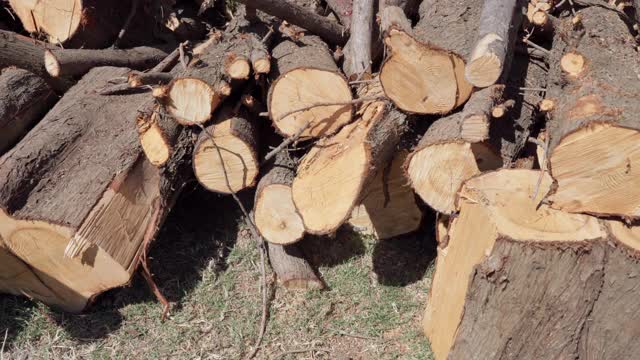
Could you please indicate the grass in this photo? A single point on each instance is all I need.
(207, 265)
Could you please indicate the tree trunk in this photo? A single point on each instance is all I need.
(274, 212)
(229, 163)
(25, 100)
(332, 175)
(357, 61)
(388, 207)
(594, 127)
(85, 24)
(308, 76)
(519, 280)
(77, 185)
(292, 269)
(72, 62)
(26, 53)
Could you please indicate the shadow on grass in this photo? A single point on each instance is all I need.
(404, 260)
(198, 234)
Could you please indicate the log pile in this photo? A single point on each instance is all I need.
(515, 121)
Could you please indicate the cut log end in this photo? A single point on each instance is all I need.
(540, 18)
(239, 68)
(51, 64)
(588, 167)
(153, 140)
(232, 158)
(58, 19)
(422, 79)
(437, 171)
(276, 217)
(388, 208)
(302, 89)
(546, 105)
(191, 101)
(475, 128)
(573, 63)
(261, 65)
(484, 70)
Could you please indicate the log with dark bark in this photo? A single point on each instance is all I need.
(275, 214)
(424, 72)
(25, 100)
(519, 280)
(307, 76)
(78, 185)
(594, 128)
(333, 174)
(292, 269)
(388, 207)
(73, 62)
(229, 162)
(84, 24)
(329, 30)
(26, 53)
(496, 36)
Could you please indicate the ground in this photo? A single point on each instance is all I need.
(206, 263)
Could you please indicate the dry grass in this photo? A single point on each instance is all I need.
(208, 267)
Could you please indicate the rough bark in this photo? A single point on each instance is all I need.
(235, 139)
(73, 62)
(292, 269)
(594, 128)
(497, 32)
(85, 24)
(78, 185)
(25, 100)
(274, 212)
(330, 31)
(357, 61)
(322, 192)
(307, 75)
(343, 10)
(26, 53)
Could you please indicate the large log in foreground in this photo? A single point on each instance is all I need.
(334, 172)
(307, 77)
(595, 128)
(519, 280)
(78, 185)
(25, 100)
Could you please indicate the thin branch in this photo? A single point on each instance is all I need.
(127, 23)
(534, 45)
(260, 244)
(4, 342)
(543, 166)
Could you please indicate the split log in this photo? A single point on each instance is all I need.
(388, 207)
(83, 24)
(78, 185)
(497, 32)
(73, 62)
(229, 162)
(357, 61)
(334, 172)
(523, 280)
(452, 151)
(25, 100)
(275, 214)
(26, 53)
(594, 128)
(307, 78)
(291, 268)
(330, 31)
